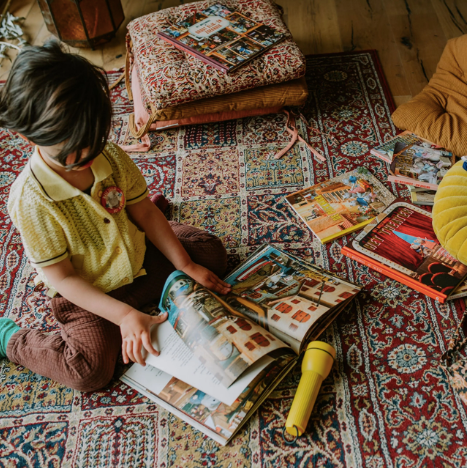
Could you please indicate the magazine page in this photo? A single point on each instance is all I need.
(386, 150)
(421, 163)
(420, 196)
(405, 241)
(178, 360)
(227, 345)
(223, 35)
(460, 291)
(341, 205)
(284, 294)
(314, 331)
(199, 408)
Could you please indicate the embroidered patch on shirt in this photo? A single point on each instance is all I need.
(113, 199)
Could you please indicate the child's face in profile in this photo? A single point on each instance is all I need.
(50, 152)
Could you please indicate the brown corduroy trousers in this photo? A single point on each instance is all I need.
(83, 355)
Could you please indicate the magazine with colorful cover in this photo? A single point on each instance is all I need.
(401, 243)
(420, 166)
(220, 356)
(221, 37)
(386, 150)
(341, 205)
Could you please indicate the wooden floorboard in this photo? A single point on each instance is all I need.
(409, 35)
(419, 39)
(452, 15)
(364, 24)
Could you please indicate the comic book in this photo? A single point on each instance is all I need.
(401, 243)
(221, 37)
(341, 205)
(221, 356)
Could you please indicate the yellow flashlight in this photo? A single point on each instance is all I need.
(317, 363)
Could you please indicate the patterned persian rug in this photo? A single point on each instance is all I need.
(387, 402)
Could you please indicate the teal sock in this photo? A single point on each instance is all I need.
(7, 328)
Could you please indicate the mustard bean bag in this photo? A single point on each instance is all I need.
(450, 212)
(439, 112)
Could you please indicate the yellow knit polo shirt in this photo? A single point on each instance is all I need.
(58, 221)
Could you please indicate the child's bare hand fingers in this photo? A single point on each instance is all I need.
(161, 318)
(137, 345)
(220, 282)
(224, 284)
(220, 289)
(126, 360)
(220, 286)
(146, 338)
(129, 350)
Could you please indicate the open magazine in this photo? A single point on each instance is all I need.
(221, 356)
(387, 150)
(419, 165)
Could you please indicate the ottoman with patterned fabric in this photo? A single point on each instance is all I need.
(167, 82)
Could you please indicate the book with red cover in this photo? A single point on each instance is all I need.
(401, 244)
(221, 37)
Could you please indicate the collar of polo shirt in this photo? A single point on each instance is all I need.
(55, 187)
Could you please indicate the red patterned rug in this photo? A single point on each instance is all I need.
(387, 402)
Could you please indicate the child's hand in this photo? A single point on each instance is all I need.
(136, 332)
(207, 278)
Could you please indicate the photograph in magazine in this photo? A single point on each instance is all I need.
(212, 413)
(228, 55)
(342, 204)
(264, 35)
(282, 293)
(421, 163)
(386, 150)
(405, 241)
(245, 47)
(226, 344)
(240, 23)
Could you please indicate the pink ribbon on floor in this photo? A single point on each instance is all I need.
(293, 130)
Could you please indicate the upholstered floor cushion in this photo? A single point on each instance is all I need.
(439, 112)
(169, 77)
(258, 101)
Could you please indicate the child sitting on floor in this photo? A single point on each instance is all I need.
(88, 227)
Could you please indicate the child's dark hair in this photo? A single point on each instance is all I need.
(54, 97)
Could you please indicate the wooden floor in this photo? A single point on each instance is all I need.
(409, 35)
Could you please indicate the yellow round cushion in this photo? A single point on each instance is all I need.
(450, 212)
